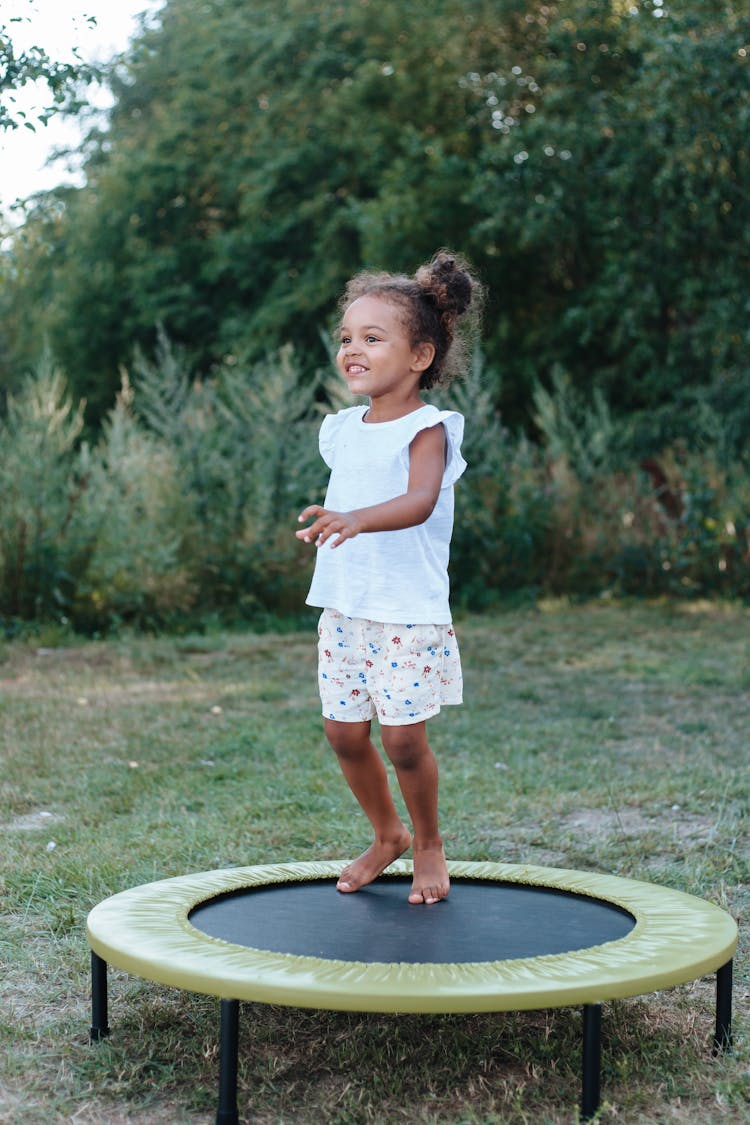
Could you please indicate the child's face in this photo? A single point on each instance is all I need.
(376, 356)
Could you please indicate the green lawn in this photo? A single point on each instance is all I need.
(606, 737)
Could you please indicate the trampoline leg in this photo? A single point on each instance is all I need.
(227, 1113)
(592, 1060)
(723, 1033)
(99, 1027)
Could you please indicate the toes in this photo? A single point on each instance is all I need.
(427, 895)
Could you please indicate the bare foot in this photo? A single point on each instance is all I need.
(431, 882)
(372, 863)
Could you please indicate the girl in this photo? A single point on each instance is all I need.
(386, 645)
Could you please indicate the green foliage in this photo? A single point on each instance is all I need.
(186, 505)
(245, 451)
(589, 157)
(132, 521)
(504, 508)
(614, 200)
(586, 435)
(676, 523)
(713, 418)
(39, 491)
(34, 64)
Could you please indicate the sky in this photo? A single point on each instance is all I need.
(58, 26)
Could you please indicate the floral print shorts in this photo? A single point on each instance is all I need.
(401, 673)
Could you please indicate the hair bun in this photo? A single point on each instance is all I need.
(447, 280)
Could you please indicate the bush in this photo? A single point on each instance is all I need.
(504, 504)
(39, 492)
(673, 523)
(246, 457)
(186, 506)
(131, 524)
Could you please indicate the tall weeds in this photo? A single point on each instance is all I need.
(185, 506)
(40, 487)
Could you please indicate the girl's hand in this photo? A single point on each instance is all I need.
(426, 465)
(326, 523)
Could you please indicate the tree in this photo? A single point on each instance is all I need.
(244, 170)
(20, 67)
(617, 193)
(589, 157)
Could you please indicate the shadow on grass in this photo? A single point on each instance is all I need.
(307, 1067)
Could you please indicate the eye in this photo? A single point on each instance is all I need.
(346, 340)
(371, 339)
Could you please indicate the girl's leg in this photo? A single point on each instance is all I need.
(417, 772)
(365, 772)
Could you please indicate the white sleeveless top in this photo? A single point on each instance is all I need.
(389, 576)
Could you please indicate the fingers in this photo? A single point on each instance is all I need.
(309, 533)
(324, 528)
(311, 510)
(326, 525)
(318, 531)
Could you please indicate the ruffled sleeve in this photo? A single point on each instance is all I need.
(454, 430)
(329, 432)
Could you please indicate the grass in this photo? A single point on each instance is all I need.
(607, 737)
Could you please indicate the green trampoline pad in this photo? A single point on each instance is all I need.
(661, 938)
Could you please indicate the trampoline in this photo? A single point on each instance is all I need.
(509, 937)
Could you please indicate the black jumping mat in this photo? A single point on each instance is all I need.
(481, 920)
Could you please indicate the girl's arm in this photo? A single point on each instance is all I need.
(426, 467)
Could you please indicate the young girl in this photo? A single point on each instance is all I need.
(386, 645)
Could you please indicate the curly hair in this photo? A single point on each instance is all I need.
(441, 304)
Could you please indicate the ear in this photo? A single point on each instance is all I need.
(423, 354)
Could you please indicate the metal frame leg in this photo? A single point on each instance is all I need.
(227, 1113)
(592, 1060)
(723, 1032)
(99, 1027)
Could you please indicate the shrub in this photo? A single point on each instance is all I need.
(503, 502)
(186, 506)
(674, 523)
(39, 494)
(246, 458)
(130, 526)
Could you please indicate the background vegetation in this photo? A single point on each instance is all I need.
(591, 158)
(183, 510)
(20, 67)
(609, 737)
